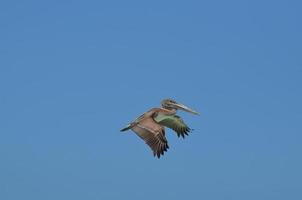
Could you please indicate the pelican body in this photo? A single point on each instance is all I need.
(150, 126)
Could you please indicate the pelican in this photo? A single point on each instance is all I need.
(150, 126)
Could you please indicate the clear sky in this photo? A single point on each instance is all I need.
(73, 73)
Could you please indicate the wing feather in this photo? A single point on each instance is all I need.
(174, 122)
(154, 136)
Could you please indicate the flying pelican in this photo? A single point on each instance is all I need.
(150, 125)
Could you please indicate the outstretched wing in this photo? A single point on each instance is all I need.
(145, 115)
(174, 122)
(153, 134)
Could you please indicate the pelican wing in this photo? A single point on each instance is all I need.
(153, 134)
(140, 118)
(174, 122)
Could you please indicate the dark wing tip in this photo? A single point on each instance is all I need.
(183, 131)
(158, 144)
(160, 149)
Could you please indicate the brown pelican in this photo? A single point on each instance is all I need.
(150, 125)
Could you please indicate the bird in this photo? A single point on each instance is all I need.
(150, 126)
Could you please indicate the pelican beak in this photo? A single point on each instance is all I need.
(185, 108)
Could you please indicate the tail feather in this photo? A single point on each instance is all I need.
(126, 128)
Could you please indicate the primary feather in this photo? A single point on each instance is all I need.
(173, 122)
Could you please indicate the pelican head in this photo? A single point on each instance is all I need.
(170, 104)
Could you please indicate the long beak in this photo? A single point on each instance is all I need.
(185, 108)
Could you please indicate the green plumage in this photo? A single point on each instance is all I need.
(174, 122)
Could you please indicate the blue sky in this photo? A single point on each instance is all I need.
(73, 73)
